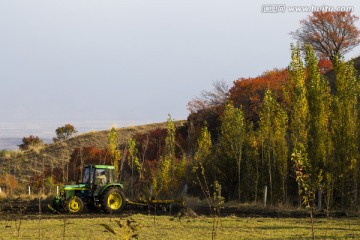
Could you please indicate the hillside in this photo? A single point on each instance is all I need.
(53, 159)
(61, 151)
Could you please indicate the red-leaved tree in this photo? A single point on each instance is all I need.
(329, 33)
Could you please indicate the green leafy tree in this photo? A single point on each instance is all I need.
(64, 132)
(233, 129)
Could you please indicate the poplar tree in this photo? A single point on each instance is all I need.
(273, 127)
(133, 161)
(319, 142)
(233, 132)
(115, 153)
(165, 177)
(300, 110)
(345, 121)
(202, 155)
(204, 146)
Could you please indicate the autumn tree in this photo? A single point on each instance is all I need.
(64, 132)
(249, 92)
(165, 178)
(325, 65)
(300, 109)
(204, 147)
(253, 174)
(272, 131)
(201, 158)
(329, 33)
(31, 142)
(299, 116)
(307, 187)
(319, 142)
(233, 130)
(169, 155)
(345, 121)
(8, 182)
(114, 151)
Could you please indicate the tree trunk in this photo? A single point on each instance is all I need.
(270, 175)
(239, 176)
(284, 189)
(256, 182)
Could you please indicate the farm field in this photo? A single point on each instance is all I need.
(168, 227)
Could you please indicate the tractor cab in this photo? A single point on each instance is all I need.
(98, 175)
(98, 189)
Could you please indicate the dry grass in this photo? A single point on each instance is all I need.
(185, 228)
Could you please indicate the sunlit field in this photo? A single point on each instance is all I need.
(167, 227)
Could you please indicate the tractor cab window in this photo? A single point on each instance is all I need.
(86, 176)
(102, 177)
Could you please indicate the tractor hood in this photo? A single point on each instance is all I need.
(76, 187)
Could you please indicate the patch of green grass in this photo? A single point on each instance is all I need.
(185, 228)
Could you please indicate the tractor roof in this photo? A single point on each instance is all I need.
(102, 166)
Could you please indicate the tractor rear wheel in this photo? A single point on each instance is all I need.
(74, 205)
(113, 200)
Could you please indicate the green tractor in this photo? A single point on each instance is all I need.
(98, 190)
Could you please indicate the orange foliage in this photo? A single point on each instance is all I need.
(8, 182)
(325, 65)
(154, 145)
(249, 92)
(329, 33)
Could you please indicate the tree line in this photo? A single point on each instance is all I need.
(304, 117)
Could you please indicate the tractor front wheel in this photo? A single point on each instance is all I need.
(113, 200)
(74, 205)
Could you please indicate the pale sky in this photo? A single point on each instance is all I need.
(134, 60)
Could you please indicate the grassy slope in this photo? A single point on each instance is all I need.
(100, 139)
(60, 152)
